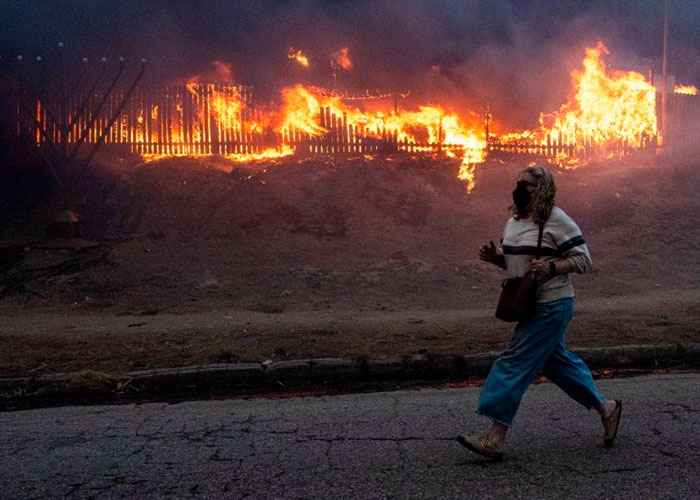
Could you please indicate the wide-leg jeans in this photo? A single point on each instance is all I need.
(538, 346)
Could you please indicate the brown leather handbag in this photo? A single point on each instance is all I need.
(517, 300)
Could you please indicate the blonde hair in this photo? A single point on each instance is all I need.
(542, 197)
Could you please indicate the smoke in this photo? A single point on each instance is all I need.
(514, 56)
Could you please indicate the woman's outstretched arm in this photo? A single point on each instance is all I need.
(490, 253)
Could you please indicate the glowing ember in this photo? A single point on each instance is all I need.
(267, 154)
(298, 56)
(342, 58)
(607, 107)
(685, 90)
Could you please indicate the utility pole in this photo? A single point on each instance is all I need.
(664, 96)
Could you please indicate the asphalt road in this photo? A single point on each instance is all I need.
(377, 445)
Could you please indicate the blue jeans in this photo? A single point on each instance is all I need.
(538, 345)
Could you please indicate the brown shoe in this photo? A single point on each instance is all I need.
(482, 446)
(611, 423)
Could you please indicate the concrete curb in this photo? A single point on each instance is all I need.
(275, 375)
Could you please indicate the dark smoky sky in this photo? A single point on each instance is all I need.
(515, 55)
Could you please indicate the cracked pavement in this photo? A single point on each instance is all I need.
(375, 445)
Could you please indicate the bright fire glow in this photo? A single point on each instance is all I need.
(214, 114)
(685, 90)
(312, 112)
(267, 154)
(607, 107)
(432, 126)
(298, 56)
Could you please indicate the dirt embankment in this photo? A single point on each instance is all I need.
(327, 257)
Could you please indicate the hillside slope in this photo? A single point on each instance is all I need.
(359, 233)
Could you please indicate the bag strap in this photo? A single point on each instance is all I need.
(539, 240)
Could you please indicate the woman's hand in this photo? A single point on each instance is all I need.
(489, 253)
(539, 267)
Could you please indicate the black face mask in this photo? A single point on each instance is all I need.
(521, 196)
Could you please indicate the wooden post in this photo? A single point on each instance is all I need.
(167, 124)
(173, 121)
(337, 123)
(157, 104)
(183, 119)
(184, 99)
(146, 110)
(214, 122)
(177, 120)
(196, 110)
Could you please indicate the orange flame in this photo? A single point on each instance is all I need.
(216, 115)
(301, 109)
(685, 90)
(298, 56)
(432, 126)
(606, 107)
(267, 154)
(342, 58)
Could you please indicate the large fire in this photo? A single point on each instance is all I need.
(607, 110)
(607, 107)
(430, 128)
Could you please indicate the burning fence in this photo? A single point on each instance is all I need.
(610, 113)
(215, 119)
(206, 119)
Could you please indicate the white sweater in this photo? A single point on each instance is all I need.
(562, 239)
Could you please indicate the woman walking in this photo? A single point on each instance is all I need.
(538, 343)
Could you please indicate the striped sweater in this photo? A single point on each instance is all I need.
(562, 239)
